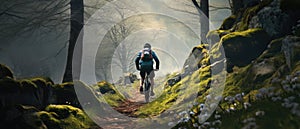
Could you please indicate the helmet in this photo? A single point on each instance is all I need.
(147, 45)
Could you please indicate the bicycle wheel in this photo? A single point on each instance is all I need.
(147, 89)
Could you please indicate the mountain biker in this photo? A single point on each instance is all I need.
(144, 63)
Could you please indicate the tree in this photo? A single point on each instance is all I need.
(77, 21)
(40, 25)
(20, 17)
(123, 53)
(203, 7)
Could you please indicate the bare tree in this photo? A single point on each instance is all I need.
(20, 17)
(27, 18)
(77, 10)
(123, 51)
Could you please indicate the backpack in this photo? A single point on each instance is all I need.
(146, 55)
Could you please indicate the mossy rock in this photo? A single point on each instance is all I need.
(65, 116)
(42, 81)
(248, 14)
(270, 64)
(53, 117)
(228, 23)
(105, 87)
(214, 36)
(50, 119)
(65, 94)
(63, 111)
(111, 95)
(21, 116)
(242, 47)
(9, 85)
(5, 71)
(273, 48)
(27, 85)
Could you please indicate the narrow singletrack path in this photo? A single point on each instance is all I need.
(128, 107)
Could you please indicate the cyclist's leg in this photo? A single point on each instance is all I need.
(151, 76)
(142, 74)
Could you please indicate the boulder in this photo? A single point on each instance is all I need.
(21, 117)
(65, 94)
(105, 87)
(272, 19)
(174, 80)
(52, 117)
(291, 50)
(5, 72)
(9, 92)
(34, 92)
(241, 47)
(228, 22)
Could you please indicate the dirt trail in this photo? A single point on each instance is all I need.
(131, 105)
(127, 108)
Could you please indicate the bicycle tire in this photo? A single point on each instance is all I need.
(147, 89)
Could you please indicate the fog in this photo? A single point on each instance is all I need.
(40, 49)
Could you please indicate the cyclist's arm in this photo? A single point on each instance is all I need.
(156, 60)
(137, 60)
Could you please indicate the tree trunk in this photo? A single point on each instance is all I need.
(76, 26)
(203, 8)
(204, 20)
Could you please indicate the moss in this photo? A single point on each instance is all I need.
(41, 81)
(243, 47)
(62, 111)
(168, 97)
(50, 119)
(5, 71)
(113, 99)
(275, 116)
(249, 13)
(28, 85)
(105, 87)
(296, 69)
(273, 48)
(228, 23)
(215, 35)
(111, 95)
(65, 116)
(65, 94)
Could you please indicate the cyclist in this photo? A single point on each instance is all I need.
(144, 63)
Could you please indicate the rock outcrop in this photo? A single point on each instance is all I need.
(35, 92)
(272, 19)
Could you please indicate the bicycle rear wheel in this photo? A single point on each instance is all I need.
(147, 89)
